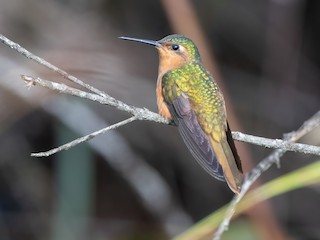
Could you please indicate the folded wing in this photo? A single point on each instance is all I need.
(194, 137)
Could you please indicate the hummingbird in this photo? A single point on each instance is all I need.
(188, 95)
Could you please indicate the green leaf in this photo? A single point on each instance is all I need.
(302, 177)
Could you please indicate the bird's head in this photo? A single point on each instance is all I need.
(174, 51)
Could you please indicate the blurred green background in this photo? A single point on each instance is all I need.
(140, 181)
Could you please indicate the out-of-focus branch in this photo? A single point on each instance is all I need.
(48, 65)
(263, 166)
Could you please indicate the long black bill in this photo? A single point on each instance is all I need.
(154, 43)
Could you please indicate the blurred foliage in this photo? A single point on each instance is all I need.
(302, 177)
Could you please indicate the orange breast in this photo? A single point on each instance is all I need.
(167, 60)
(162, 106)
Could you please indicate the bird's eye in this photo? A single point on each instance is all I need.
(175, 47)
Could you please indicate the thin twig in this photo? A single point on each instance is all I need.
(139, 113)
(264, 165)
(83, 139)
(276, 143)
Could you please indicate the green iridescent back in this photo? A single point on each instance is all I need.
(193, 81)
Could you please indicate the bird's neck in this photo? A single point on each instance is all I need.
(167, 65)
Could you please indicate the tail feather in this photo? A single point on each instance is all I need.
(226, 158)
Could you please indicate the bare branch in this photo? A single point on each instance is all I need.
(83, 139)
(145, 114)
(264, 165)
(139, 113)
(276, 143)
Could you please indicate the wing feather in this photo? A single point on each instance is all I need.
(194, 137)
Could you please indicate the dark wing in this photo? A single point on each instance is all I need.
(194, 137)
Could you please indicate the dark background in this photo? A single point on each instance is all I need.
(140, 182)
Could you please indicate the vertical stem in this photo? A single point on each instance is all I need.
(74, 178)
